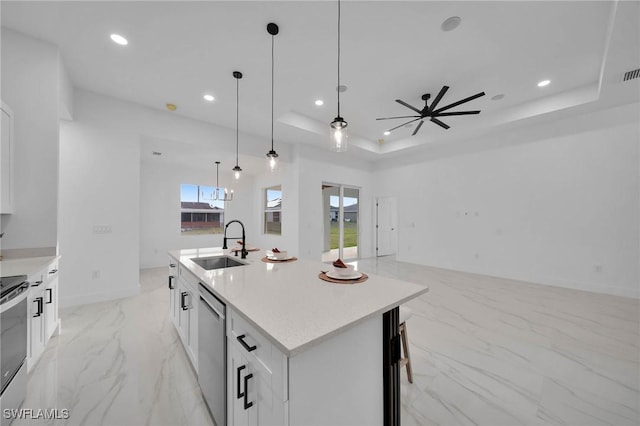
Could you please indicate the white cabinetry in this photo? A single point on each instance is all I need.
(187, 296)
(36, 326)
(173, 291)
(256, 372)
(330, 383)
(51, 318)
(6, 160)
(42, 309)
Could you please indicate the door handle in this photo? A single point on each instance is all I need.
(247, 404)
(50, 291)
(240, 394)
(245, 345)
(183, 295)
(38, 301)
(171, 286)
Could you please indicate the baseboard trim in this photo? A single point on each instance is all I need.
(633, 293)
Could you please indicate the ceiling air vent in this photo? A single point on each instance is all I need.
(630, 75)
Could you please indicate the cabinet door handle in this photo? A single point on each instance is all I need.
(183, 295)
(245, 345)
(172, 265)
(238, 373)
(247, 404)
(38, 301)
(53, 271)
(171, 286)
(50, 292)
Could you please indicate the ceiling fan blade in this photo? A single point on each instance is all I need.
(417, 128)
(404, 124)
(438, 98)
(408, 106)
(445, 114)
(455, 104)
(439, 123)
(404, 116)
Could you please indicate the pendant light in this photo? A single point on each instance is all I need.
(238, 76)
(338, 134)
(216, 196)
(272, 156)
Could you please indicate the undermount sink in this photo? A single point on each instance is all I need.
(216, 262)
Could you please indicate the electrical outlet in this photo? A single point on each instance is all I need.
(101, 229)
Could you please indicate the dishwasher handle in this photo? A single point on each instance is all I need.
(213, 310)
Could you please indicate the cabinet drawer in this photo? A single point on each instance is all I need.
(188, 277)
(268, 361)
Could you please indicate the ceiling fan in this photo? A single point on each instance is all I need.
(430, 111)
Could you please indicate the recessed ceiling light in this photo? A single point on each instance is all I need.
(544, 83)
(209, 98)
(387, 133)
(451, 23)
(117, 38)
(319, 102)
(497, 97)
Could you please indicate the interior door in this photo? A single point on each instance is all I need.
(386, 226)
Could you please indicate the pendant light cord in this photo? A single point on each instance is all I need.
(338, 88)
(272, 84)
(237, 115)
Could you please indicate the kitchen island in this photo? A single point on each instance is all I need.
(299, 350)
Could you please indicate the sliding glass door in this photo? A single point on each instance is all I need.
(341, 221)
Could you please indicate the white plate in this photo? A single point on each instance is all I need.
(279, 258)
(354, 276)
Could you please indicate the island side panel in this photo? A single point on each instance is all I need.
(339, 381)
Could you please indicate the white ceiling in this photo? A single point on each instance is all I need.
(390, 50)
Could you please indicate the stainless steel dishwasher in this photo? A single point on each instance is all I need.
(212, 354)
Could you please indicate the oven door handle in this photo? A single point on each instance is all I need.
(13, 302)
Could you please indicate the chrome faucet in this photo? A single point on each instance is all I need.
(243, 251)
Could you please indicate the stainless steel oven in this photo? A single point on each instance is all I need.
(13, 341)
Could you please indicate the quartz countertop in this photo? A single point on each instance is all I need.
(25, 265)
(289, 303)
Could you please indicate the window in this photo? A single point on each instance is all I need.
(273, 210)
(199, 213)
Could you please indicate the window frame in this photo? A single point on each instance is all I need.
(266, 210)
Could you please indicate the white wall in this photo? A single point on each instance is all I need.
(160, 210)
(559, 210)
(30, 86)
(287, 177)
(99, 186)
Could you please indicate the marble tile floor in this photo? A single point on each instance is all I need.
(485, 351)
